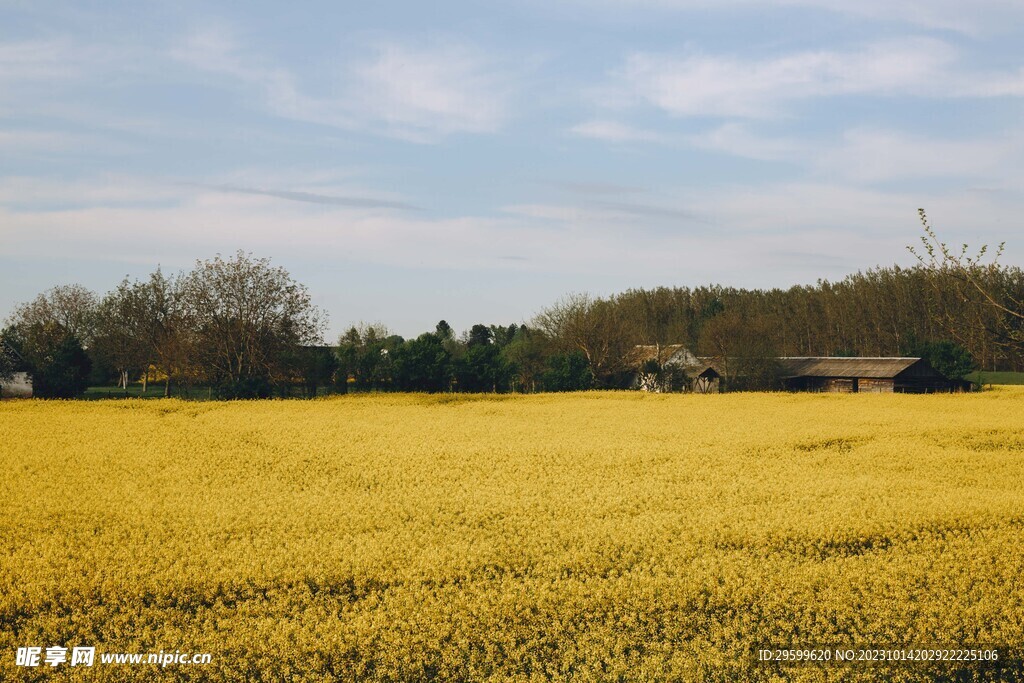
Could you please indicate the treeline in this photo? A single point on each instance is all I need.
(241, 328)
(238, 326)
(487, 358)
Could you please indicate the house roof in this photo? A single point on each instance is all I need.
(844, 367)
(640, 354)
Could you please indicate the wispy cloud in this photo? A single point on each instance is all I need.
(37, 60)
(737, 139)
(763, 234)
(647, 211)
(741, 87)
(614, 215)
(107, 190)
(973, 18)
(316, 198)
(877, 155)
(215, 49)
(111, 190)
(36, 73)
(613, 131)
(54, 142)
(597, 188)
(856, 216)
(874, 155)
(420, 92)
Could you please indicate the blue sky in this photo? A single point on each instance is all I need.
(475, 161)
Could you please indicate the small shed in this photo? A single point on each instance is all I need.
(20, 386)
(858, 375)
(704, 379)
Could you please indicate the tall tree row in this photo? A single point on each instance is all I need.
(880, 312)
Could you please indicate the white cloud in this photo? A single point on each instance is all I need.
(785, 233)
(611, 214)
(25, 194)
(871, 155)
(428, 92)
(613, 131)
(972, 18)
(870, 226)
(420, 93)
(975, 17)
(725, 86)
(743, 234)
(737, 140)
(214, 49)
(868, 155)
(704, 85)
(211, 221)
(37, 142)
(68, 58)
(105, 190)
(37, 60)
(34, 73)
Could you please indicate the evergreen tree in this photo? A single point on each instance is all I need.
(423, 364)
(61, 372)
(568, 372)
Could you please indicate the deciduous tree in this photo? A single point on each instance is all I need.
(592, 327)
(248, 316)
(47, 335)
(979, 281)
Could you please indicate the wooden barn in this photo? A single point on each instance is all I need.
(670, 368)
(878, 375)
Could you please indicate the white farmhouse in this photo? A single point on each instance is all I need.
(671, 368)
(19, 387)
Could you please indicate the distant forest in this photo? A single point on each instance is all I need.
(242, 328)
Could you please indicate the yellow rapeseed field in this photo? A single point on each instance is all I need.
(584, 537)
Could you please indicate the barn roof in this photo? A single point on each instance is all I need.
(793, 366)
